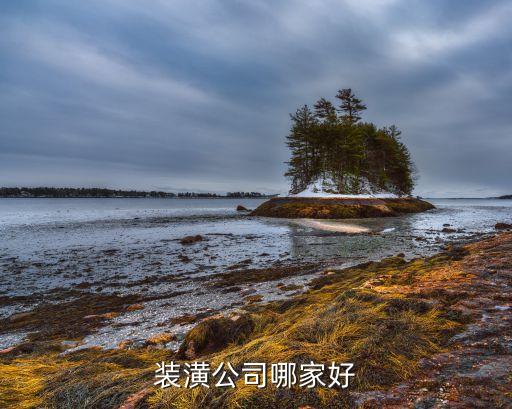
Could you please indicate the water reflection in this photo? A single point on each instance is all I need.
(413, 235)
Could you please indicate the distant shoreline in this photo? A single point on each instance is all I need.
(100, 193)
(505, 197)
(132, 197)
(220, 197)
(104, 193)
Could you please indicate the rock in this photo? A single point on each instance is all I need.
(253, 298)
(338, 208)
(448, 230)
(7, 350)
(22, 316)
(446, 225)
(191, 239)
(135, 307)
(184, 258)
(503, 226)
(184, 319)
(241, 208)
(214, 334)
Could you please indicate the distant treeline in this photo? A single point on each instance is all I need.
(67, 192)
(246, 194)
(234, 195)
(505, 197)
(60, 192)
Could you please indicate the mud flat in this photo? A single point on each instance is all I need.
(339, 208)
(428, 332)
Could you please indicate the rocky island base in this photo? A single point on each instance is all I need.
(339, 208)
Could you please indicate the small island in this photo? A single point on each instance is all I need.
(340, 208)
(343, 168)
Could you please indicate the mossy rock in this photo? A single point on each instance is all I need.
(214, 334)
(327, 208)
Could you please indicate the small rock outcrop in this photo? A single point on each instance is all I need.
(448, 230)
(503, 226)
(191, 239)
(241, 208)
(339, 208)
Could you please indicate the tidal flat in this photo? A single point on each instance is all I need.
(71, 251)
(112, 282)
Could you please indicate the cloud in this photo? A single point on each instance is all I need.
(420, 43)
(197, 93)
(63, 49)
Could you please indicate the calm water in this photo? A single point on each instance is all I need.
(113, 245)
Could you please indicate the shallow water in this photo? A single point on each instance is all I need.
(115, 245)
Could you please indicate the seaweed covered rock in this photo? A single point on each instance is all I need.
(503, 226)
(215, 334)
(339, 208)
(191, 239)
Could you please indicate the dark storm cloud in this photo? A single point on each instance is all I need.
(196, 94)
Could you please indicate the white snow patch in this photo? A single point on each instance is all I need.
(388, 230)
(317, 189)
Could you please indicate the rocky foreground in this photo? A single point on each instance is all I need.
(426, 333)
(339, 208)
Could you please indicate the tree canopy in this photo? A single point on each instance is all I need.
(332, 149)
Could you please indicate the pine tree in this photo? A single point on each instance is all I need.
(351, 107)
(325, 111)
(393, 132)
(300, 142)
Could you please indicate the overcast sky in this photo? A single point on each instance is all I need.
(195, 94)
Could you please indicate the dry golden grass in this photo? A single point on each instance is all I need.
(384, 333)
(87, 379)
(22, 380)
